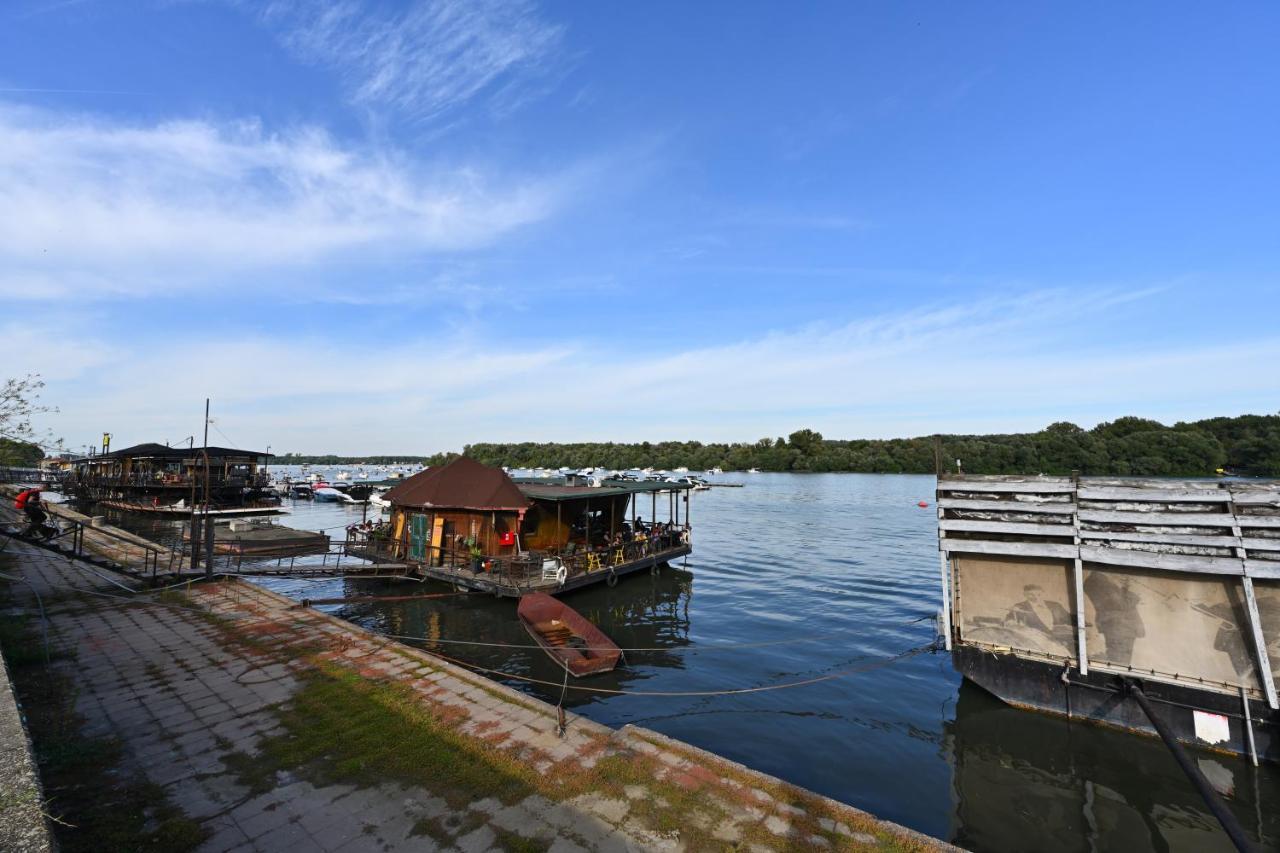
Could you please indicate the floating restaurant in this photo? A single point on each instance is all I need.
(1139, 604)
(474, 526)
(159, 479)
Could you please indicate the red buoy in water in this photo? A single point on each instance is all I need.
(923, 504)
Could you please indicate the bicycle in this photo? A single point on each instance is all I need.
(46, 530)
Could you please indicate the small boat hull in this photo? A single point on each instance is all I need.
(566, 636)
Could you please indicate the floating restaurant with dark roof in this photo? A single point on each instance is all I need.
(154, 477)
(474, 526)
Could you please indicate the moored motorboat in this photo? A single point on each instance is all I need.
(566, 636)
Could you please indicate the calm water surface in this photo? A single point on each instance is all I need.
(825, 573)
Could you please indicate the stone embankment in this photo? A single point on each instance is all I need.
(241, 721)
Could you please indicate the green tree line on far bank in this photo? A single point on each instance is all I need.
(1129, 446)
(19, 454)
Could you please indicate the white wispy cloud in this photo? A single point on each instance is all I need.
(994, 365)
(95, 206)
(423, 58)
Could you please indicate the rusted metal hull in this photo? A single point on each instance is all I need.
(1099, 698)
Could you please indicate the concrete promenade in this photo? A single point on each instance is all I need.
(215, 692)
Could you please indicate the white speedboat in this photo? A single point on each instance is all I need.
(326, 494)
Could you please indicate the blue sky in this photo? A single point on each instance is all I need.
(369, 227)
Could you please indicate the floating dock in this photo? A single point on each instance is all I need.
(264, 540)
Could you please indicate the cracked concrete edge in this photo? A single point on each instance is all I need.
(23, 828)
(837, 809)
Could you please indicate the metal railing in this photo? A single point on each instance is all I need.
(18, 475)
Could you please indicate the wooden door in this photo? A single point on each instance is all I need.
(418, 537)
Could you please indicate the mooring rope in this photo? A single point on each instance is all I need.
(736, 691)
(876, 664)
(714, 646)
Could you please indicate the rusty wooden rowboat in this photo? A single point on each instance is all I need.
(566, 636)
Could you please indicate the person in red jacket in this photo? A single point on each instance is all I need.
(29, 502)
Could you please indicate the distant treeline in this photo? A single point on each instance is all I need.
(19, 454)
(1249, 444)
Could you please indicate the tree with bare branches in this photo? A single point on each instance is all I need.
(19, 403)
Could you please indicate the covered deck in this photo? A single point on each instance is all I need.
(564, 538)
(158, 476)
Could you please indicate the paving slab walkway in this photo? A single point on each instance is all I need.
(193, 681)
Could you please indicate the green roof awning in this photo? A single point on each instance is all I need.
(611, 489)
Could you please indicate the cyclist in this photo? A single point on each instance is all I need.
(30, 504)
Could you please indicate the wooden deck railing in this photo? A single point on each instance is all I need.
(523, 569)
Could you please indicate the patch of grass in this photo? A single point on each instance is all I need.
(343, 728)
(512, 843)
(20, 640)
(255, 774)
(430, 827)
(444, 830)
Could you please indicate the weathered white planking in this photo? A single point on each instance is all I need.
(1027, 486)
(1151, 483)
(1144, 503)
(1116, 493)
(1256, 497)
(1163, 562)
(1054, 507)
(1163, 538)
(1014, 549)
(1264, 570)
(1258, 520)
(1022, 528)
(1159, 519)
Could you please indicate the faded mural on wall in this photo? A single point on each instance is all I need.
(1181, 625)
(1015, 602)
(1174, 623)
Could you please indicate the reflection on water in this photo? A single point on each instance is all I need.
(796, 576)
(1017, 773)
(648, 615)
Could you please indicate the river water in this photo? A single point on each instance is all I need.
(795, 577)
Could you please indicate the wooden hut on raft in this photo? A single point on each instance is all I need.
(474, 526)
